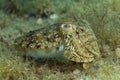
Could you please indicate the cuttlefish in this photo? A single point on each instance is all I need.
(75, 40)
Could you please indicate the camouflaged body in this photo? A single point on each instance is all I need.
(78, 41)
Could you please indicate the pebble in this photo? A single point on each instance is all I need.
(54, 16)
(76, 72)
(39, 21)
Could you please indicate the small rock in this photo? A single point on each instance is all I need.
(39, 21)
(54, 16)
(76, 72)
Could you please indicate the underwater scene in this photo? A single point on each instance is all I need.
(59, 39)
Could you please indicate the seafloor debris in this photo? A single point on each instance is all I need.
(76, 41)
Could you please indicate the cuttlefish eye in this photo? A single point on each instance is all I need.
(67, 28)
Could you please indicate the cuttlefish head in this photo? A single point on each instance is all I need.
(80, 43)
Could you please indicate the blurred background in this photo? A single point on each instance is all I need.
(20, 16)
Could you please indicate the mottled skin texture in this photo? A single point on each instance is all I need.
(80, 44)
